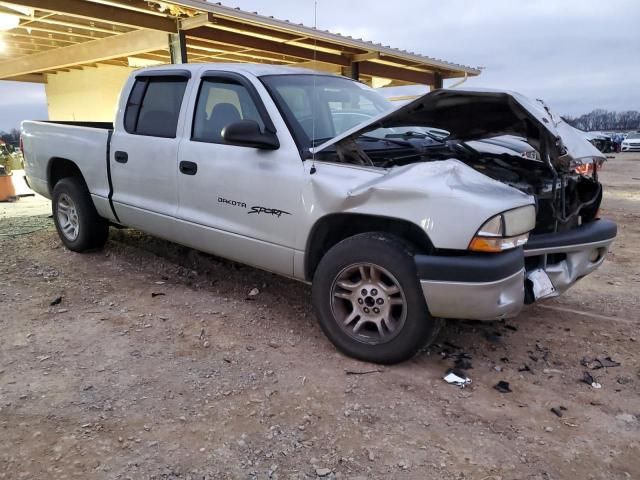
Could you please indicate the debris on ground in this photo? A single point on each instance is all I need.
(557, 411)
(165, 377)
(157, 294)
(589, 380)
(503, 387)
(254, 292)
(363, 372)
(598, 363)
(456, 377)
(56, 301)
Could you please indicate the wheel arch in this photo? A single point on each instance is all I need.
(59, 168)
(335, 227)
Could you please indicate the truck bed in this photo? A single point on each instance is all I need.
(84, 143)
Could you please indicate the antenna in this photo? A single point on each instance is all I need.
(314, 95)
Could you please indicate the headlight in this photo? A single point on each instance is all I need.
(505, 231)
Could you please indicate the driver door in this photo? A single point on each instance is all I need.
(238, 202)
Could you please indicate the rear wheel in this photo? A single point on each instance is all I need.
(369, 302)
(78, 224)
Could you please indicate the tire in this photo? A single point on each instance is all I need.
(78, 224)
(364, 271)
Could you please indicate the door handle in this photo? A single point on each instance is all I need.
(121, 157)
(188, 168)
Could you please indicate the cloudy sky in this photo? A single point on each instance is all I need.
(576, 54)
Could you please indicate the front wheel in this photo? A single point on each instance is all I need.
(78, 224)
(368, 299)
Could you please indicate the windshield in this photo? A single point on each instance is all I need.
(633, 136)
(319, 107)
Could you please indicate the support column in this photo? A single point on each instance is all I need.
(352, 71)
(437, 80)
(178, 47)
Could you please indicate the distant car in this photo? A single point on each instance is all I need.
(602, 142)
(631, 143)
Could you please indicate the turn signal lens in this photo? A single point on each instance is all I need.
(495, 245)
(505, 231)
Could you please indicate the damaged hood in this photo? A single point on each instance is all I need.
(477, 114)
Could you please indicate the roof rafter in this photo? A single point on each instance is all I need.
(98, 11)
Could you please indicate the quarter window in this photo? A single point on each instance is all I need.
(154, 105)
(220, 103)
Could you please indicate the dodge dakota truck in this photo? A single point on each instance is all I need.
(319, 178)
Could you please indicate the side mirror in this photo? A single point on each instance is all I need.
(246, 133)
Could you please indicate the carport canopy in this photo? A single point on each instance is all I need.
(40, 37)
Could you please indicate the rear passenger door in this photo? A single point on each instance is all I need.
(144, 150)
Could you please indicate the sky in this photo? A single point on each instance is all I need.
(577, 55)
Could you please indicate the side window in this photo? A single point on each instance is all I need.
(220, 103)
(154, 106)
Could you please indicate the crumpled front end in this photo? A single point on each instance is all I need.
(447, 199)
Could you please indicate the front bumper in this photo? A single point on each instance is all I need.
(568, 256)
(494, 286)
(630, 148)
(476, 286)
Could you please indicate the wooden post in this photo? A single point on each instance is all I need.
(178, 47)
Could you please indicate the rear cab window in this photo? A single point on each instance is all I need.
(153, 108)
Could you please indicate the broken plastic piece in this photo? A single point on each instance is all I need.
(456, 377)
(542, 286)
(589, 380)
(502, 387)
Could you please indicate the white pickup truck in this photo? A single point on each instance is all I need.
(319, 178)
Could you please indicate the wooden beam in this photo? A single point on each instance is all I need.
(196, 21)
(396, 73)
(239, 40)
(248, 53)
(36, 36)
(105, 13)
(117, 46)
(31, 78)
(267, 33)
(70, 22)
(362, 57)
(93, 35)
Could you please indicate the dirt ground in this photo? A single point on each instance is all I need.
(157, 364)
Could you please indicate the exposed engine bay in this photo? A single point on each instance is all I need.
(564, 199)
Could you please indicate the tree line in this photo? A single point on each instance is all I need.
(11, 138)
(601, 119)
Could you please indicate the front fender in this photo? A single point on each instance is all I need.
(447, 199)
